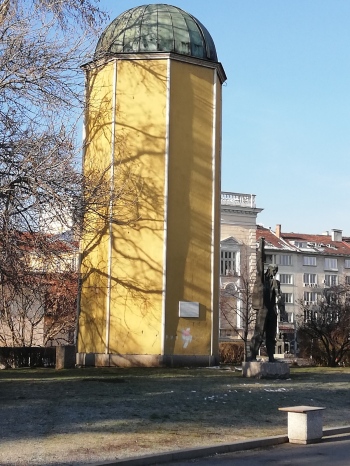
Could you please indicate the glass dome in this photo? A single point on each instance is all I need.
(157, 28)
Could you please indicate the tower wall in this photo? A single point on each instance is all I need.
(191, 229)
(95, 242)
(137, 265)
(153, 130)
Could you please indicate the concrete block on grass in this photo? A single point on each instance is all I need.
(304, 424)
(65, 357)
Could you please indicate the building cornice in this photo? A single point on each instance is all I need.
(157, 56)
(241, 210)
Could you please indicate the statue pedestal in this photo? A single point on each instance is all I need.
(265, 370)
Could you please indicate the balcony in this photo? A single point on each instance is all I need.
(238, 199)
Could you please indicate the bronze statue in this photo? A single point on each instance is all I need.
(267, 301)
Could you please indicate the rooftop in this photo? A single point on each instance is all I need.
(327, 244)
(157, 28)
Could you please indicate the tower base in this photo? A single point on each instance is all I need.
(144, 360)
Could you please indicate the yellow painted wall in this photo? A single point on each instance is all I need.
(98, 127)
(216, 291)
(138, 209)
(189, 234)
(138, 247)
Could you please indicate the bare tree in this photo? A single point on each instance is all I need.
(84, 13)
(38, 300)
(41, 87)
(42, 45)
(324, 329)
(236, 311)
(60, 308)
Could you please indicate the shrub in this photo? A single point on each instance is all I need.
(231, 352)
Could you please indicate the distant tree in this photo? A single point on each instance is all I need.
(60, 308)
(324, 329)
(38, 296)
(236, 300)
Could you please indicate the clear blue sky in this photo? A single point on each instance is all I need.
(286, 105)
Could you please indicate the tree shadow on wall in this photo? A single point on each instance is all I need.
(122, 216)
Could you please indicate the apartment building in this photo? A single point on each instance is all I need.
(307, 263)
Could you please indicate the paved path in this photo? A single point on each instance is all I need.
(332, 451)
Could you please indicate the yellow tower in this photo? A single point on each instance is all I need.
(150, 249)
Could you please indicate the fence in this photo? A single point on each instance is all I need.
(27, 357)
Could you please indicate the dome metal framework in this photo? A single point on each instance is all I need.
(157, 28)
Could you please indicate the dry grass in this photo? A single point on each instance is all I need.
(75, 417)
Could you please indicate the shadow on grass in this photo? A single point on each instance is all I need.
(36, 403)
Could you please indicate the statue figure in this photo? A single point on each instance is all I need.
(268, 302)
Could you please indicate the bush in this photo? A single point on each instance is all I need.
(310, 349)
(231, 352)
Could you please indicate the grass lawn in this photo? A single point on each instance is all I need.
(79, 416)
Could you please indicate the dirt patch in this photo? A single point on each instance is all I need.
(75, 417)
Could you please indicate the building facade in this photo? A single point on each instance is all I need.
(237, 261)
(308, 264)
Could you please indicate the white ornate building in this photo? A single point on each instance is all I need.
(237, 255)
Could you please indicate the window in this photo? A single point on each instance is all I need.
(74, 264)
(284, 259)
(279, 259)
(300, 244)
(347, 263)
(330, 264)
(309, 315)
(228, 263)
(347, 280)
(310, 279)
(308, 260)
(270, 259)
(288, 297)
(310, 297)
(286, 279)
(331, 280)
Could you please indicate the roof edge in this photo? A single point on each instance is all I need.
(157, 56)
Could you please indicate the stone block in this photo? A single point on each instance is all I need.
(65, 357)
(304, 424)
(85, 359)
(265, 370)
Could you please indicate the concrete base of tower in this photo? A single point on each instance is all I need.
(144, 360)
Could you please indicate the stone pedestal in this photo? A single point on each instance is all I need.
(265, 370)
(304, 424)
(65, 357)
